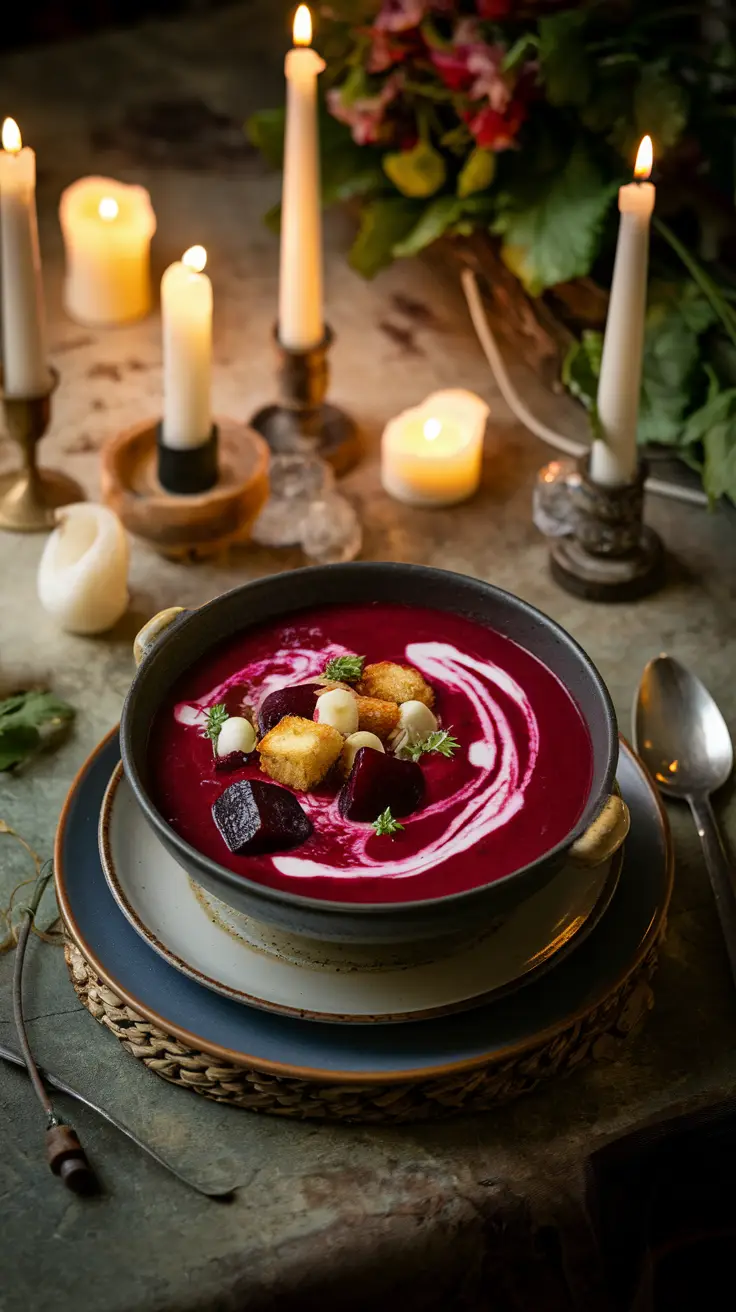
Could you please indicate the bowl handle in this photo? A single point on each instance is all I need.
(148, 636)
(604, 836)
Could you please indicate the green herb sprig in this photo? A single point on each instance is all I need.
(345, 669)
(29, 721)
(216, 717)
(440, 741)
(385, 824)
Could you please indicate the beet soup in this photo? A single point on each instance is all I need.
(512, 788)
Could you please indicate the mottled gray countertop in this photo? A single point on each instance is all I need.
(352, 1215)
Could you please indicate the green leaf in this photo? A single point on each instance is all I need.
(385, 824)
(564, 59)
(660, 107)
(383, 223)
(555, 236)
(581, 368)
(26, 721)
(345, 669)
(17, 742)
(671, 368)
(714, 424)
(216, 717)
(418, 172)
(440, 741)
(477, 173)
(439, 215)
(525, 47)
(265, 131)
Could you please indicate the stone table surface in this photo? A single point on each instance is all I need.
(351, 1214)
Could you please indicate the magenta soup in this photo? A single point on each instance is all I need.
(514, 788)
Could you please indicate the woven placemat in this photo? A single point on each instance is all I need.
(597, 1037)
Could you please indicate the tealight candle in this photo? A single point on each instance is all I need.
(25, 371)
(186, 313)
(107, 228)
(432, 455)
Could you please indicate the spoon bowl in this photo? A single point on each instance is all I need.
(682, 737)
(679, 731)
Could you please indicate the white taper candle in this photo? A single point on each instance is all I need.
(613, 459)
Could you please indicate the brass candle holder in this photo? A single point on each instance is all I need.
(30, 497)
(302, 420)
(601, 549)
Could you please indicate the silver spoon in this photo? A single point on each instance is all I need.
(682, 737)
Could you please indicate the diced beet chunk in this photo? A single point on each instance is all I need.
(233, 761)
(300, 699)
(377, 781)
(255, 817)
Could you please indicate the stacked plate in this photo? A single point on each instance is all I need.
(236, 989)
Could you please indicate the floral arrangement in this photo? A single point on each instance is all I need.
(521, 118)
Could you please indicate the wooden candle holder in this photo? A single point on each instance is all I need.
(198, 525)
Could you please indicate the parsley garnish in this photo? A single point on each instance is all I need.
(345, 669)
(385, 824)
(216, 717)
(440, 741)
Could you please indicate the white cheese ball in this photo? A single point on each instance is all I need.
(236, 735)
(415, 722)
(338, 708)
(353, 745)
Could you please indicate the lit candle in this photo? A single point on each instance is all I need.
(107, 228)
(301, 324)
(186, 312)
(25, 371)
(613, 460)
(432, 455)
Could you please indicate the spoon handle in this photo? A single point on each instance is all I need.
(720, 872)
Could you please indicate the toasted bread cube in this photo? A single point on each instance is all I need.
(378, 717)
(395, 683)
(298, 752)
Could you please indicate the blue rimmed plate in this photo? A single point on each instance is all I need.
(289, 1046)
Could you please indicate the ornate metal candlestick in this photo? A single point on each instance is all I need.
(30, 497)
(302, 420)
(601, 548)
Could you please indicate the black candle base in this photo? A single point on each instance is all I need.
(185, 471)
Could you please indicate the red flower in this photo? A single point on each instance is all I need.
(490, 9)
(495, 131)
(400, 15)
(365, 116)
(452, 66)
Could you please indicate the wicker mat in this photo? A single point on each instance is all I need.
(597, 1036)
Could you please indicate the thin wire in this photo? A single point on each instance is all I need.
(20, 1024)
(15, 1059)
(567, 445)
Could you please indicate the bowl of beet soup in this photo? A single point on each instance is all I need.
(410, 753)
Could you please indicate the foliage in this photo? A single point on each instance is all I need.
(28, 721)
(521, 119)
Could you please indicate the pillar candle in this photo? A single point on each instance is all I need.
(107, 228)
(301, 324)
(613, 458)
(25, 370)
(186, 312)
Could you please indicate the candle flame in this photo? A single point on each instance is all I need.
(644, 159)
(108, 208)
(12, 140)
(195, 258)
(432, 429)
(302, 26)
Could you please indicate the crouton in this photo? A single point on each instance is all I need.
(395, 683)
(378, 717)
(298, 752)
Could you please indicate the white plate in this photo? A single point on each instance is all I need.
(263, 967)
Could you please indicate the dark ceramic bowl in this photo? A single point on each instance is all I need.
(174, 641)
